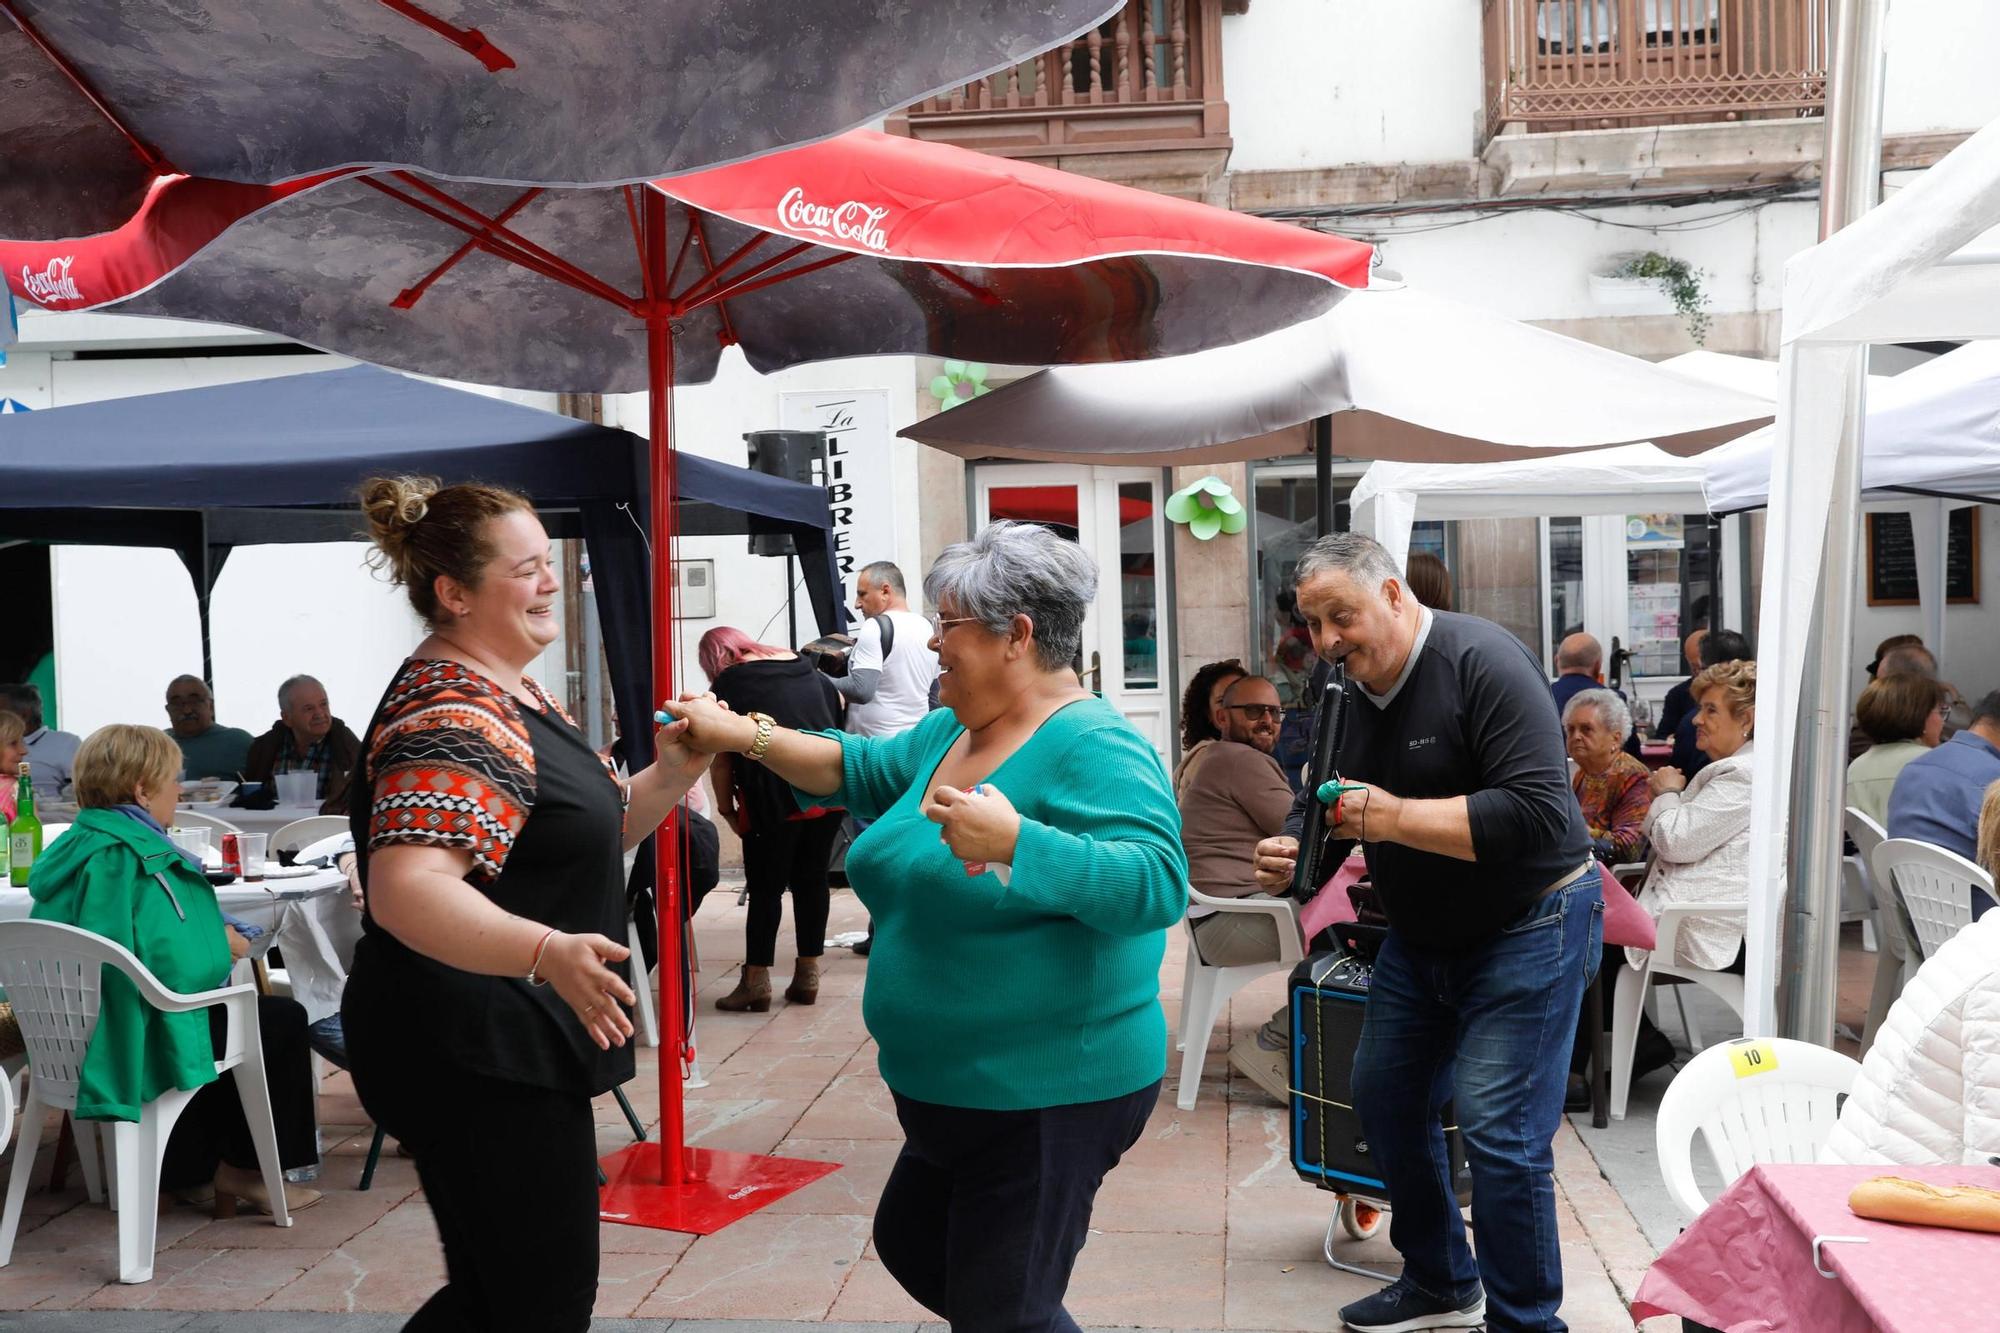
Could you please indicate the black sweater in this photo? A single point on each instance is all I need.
(1474, 719)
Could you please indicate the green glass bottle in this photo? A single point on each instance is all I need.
(24, 835)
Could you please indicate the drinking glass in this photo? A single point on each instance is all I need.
(254, 848)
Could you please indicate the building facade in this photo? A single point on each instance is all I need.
(1525, 156)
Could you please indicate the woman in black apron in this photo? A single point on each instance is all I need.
(488, 1000)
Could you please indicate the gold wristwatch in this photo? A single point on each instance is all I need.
(767, 727)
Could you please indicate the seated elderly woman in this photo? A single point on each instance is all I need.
(1700, 828)
(1700, 835)
(1610, 784)
(13, 753)
(115, 874)
(1022, 864)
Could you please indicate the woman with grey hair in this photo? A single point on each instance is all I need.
(1610, 784)
(1022, 865)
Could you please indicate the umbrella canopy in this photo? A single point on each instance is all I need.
(100, 97)
(860, 245)
(1405, 375)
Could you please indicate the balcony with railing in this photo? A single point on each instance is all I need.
(1147, 82)
(1602, 64)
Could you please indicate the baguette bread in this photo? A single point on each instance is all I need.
(1894, 1199)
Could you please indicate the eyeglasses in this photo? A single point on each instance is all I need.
(1253, 712)
(939, 626)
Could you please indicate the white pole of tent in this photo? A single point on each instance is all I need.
(1851, 185)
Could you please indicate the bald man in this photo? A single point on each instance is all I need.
(1580, 667)
(1680, 699)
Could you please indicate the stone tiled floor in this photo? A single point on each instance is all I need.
(1203, 1226)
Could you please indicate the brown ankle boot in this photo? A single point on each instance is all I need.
(752, 994)
(805, 981)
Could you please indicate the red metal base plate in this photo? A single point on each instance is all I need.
(720, 1187)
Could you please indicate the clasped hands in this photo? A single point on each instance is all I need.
(1364, 812)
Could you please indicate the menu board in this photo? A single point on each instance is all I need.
(1892, 560)
(1961, 559)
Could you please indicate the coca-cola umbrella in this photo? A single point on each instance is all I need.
(98, 98)
(861, 245)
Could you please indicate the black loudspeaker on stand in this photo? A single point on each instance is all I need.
(1328, 993)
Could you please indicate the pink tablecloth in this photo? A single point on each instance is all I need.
(1746, 1265)
(1625, 922)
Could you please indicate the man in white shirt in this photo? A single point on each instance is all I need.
(886, 692)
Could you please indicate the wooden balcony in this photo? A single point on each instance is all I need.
(1609, 64)
(1139, 99)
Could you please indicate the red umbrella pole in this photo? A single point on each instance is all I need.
(677, 1188)
(666, 843)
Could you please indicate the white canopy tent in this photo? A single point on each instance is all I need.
(1403, 374)
(1912, 269)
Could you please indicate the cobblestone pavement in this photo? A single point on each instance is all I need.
(1204, 1225)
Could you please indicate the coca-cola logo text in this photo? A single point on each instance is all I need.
(852, 221)
(53, 283)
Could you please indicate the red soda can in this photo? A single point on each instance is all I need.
(232, 855)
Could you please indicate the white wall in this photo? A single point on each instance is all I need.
(1940, 65)
(1325, 83)
(1971, 656)
(1321, 83)
(1536, 265)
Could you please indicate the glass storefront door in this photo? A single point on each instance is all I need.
(1115, 514)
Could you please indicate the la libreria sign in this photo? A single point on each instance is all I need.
(859, 483)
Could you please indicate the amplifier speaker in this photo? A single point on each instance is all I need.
(1328, 993)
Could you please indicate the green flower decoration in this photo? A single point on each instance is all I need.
(1208, 507)
(961, 381)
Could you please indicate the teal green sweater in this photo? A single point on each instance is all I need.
(1045, 991)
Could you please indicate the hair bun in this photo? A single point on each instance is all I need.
(394, 506)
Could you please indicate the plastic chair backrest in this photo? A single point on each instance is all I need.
(1935, 886)
(302, 832)
(52, 974)
(1865, 834)
(202, 819)
(1754, 1101)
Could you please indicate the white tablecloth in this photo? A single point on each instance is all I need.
(310, 919)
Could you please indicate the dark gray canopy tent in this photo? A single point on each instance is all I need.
(203, 471)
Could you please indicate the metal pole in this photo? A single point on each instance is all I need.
(666, 843)
(1851, 186)
(1322, 430)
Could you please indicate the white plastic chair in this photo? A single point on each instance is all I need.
(1866, 835)
(202, 819)
(302, 833)
(1935, 887)
(1778, 1105)
(1206, 990)
(52, 974)
(1634, 982)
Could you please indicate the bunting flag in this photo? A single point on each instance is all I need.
(9, 406)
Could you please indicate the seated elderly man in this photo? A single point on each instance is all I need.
(207, 750)
(307, 737)
(50, 752)
(1610, 785)
(1937, 796)
(1580, 667)
(1232, 796)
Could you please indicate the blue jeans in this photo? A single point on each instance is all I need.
(1490, 1031)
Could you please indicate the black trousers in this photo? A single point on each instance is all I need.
(510, 1173)
(212, 1129)
(985, 1211)
(787, 854)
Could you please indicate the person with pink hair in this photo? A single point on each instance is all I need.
(784, 847)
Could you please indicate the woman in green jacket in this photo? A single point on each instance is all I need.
(115, 874)
(1022, 864)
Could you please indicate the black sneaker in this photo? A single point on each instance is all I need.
(861, 949)
(1401, 1308)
